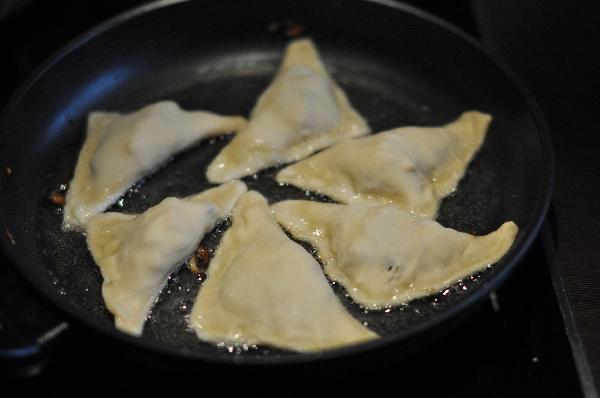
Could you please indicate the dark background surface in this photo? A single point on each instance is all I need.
(520, 350)
(555, 47)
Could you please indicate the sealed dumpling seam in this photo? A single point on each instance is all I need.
(412, 168)
(263, 288)
(121, 149)
(383, 255)
(301, 112)
(136, 253)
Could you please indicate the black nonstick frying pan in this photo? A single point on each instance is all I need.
(398, 66)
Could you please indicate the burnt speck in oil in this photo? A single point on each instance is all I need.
(56, 195)
(290, 29)
(294, 30)
(200, 276)
(56, 198)
(198, 262)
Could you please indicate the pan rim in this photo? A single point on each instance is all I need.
(531, 230)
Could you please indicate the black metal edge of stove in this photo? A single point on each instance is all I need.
(547, 237)
(586, 378)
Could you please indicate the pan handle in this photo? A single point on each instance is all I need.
(24, 355)
(17, 346)
(29, 327)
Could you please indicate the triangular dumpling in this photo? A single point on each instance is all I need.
(136, 253)
(264, 288)
(383, 255)
(121, 149)
(410, 167)
(302, 111)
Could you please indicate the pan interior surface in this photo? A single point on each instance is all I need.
(426, 78)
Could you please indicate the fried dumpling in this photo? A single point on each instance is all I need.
(121, 149)
(385, 256)
(302, 111)
(264, 288)
(410, 167)
(136, 253)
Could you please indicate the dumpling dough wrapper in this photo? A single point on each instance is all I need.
(136, 253)
(121, 149)
(264, 288)
(410, 167)
(383, 255)
(301, 112)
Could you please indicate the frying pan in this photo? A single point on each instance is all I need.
(399, 66)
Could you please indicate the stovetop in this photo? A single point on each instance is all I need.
(514, 345)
